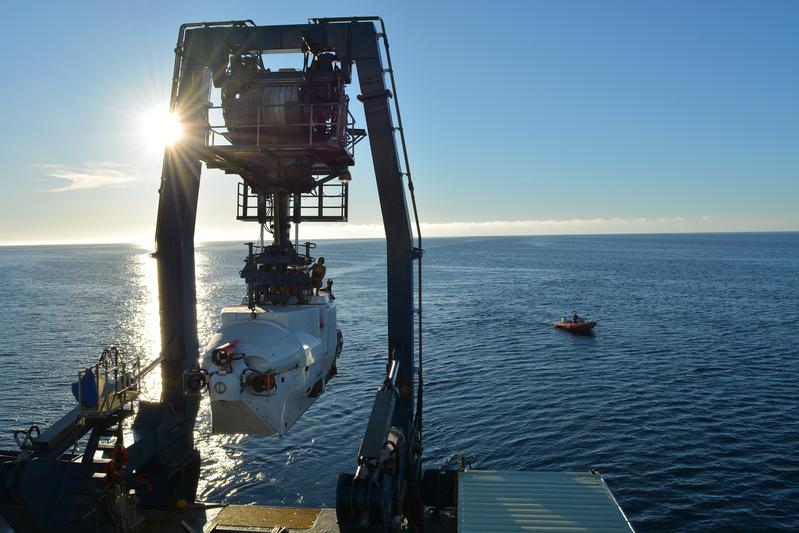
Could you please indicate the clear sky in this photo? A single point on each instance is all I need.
(522, 117)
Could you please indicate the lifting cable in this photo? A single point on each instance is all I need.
(420, 252)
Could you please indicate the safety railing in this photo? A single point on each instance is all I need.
(328, 202)
(262, 125)
(109, 385)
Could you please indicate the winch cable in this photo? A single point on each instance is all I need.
(420, 252)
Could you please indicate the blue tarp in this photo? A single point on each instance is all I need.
(88, 390)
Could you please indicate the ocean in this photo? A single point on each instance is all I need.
(685, 398)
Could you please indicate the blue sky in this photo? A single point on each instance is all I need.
(522, 117)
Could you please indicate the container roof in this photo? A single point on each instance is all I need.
(504, 502)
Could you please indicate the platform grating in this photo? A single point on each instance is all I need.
(505, 502)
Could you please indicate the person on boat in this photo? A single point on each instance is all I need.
(318, 272)
(575, 318)
(329, 289)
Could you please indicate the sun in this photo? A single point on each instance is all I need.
(161, 129)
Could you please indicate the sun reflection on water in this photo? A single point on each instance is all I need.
(149, 335)
(222, 455)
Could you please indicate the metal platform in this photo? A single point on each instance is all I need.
(211, 518)
(241, 159)
(328, 202)
(492, 502)
(207, 518)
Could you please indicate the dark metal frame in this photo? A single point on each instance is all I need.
(315, 211)
(354, 41)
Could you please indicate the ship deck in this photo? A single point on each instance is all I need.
(488, 502)
(209, 518)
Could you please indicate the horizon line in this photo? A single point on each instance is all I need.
(139, 242)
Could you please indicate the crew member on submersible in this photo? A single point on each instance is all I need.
(318, 274)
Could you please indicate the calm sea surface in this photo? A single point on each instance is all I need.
(686, 398)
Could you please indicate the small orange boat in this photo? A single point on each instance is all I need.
(576, 324)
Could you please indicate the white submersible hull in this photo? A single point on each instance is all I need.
(266, 367)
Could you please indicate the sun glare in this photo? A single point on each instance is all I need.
(161, 128)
